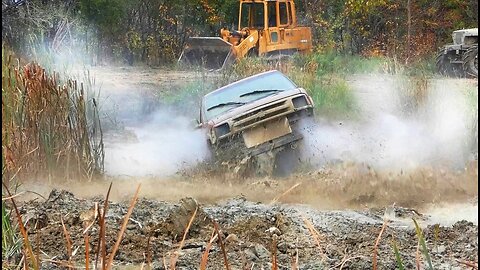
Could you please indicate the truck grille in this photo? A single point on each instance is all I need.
(262, 114)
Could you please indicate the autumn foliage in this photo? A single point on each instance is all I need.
(154, 31)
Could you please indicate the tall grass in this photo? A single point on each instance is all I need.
(323, 75)
(11, 242)
(49, 126)
(340, 64)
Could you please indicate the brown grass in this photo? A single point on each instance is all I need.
(315, 235)
(274, 254)
(49, 126)
(122, 229)
(285, 193)
(474, 265)
(68, 241)
(222, 246)
(347, 260)
(377, 242)
(204, 260)
(28, 251)
(176, 255)
(87, 252)
(101, 235)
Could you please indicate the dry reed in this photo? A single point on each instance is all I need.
(49, 126)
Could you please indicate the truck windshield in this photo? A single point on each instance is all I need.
(252, 15)
(245, 91)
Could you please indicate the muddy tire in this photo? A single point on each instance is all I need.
(264, 164)
(470, 62)
(445, 67)
(287, 160)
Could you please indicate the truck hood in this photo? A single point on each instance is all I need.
(220, 119)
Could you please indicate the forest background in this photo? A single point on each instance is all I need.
(153, 32)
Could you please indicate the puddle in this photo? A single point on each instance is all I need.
(449, 214)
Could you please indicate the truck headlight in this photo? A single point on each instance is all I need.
(221, 130)
(299, 102)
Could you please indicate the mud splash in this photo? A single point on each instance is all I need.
(402, 126)
(143, 136)
(159, 146)
(339, 187)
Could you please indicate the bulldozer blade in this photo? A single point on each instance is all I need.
(212, 53)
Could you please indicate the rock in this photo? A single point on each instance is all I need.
(231, 238)
(250, 255)
(440, 249)
(261, 252)
(273, 230)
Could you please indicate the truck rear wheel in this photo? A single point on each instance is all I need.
(470, 62)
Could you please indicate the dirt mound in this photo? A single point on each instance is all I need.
(314, 238)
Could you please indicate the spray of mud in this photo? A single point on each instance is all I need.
(145, 137)
(159, 146)
(398, 130)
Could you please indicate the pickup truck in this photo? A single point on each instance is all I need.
(255, 119)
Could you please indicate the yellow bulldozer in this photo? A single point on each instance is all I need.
(266, 28)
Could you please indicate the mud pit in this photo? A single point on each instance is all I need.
(344, 194)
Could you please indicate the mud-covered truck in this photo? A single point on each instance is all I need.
(256, 120)
(265, 28)
(460, 58)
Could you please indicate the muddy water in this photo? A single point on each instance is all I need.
(143, 136)
(434, 121)
(447, 214)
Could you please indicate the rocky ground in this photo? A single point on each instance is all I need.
(251, 234)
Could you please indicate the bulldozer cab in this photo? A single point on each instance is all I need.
(252, 15)
(276, 24)
(262, 15)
